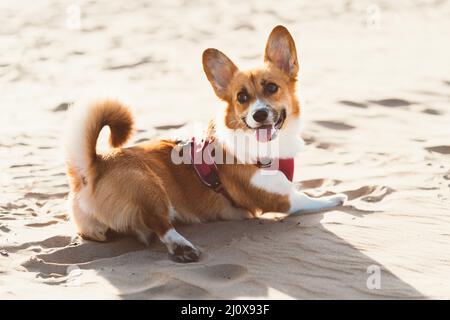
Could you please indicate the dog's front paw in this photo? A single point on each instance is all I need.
(338, 199)
(184, 254)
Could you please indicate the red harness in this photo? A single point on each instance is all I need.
(207, 171)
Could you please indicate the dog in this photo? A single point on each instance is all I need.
(141, 190)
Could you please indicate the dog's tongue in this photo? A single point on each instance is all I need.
(264, 133)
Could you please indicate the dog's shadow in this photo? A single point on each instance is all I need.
(295, 256)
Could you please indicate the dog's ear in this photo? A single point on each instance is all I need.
(219, 69)
(281, 52)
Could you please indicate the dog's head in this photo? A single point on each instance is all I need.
(260, 101)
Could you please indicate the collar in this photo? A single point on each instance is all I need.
(206, 168)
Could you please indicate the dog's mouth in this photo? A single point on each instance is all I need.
(268, 132)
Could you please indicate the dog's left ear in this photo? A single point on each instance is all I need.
(281, 52)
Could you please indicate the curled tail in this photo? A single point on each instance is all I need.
(84, 129)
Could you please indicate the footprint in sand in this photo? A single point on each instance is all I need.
(393, 102)
(4, 228)
(170, 126)
(25, 165)
(64, 106)
(308, 138)
(141, 140)
(46, 196)
(23, 177)
(58, 174)
(77, 53)
(41, 224)
(353, 104)
(440, 149)
(431, 111)
(369, 193)
(335, 125)
(244, 26)
(52, 242)
(44, 269)
(316, 183)
(130, 65)
(12, 206)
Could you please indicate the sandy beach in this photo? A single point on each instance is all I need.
(375, 85)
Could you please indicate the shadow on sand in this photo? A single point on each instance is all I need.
(294, 257)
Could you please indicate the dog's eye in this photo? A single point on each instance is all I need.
(242, 97)
(270, 88)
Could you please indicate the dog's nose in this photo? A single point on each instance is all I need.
(260, 115)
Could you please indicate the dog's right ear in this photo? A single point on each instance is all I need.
(219, 69)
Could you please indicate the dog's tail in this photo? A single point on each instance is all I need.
(85, 124)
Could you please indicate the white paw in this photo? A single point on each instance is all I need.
(338, 199)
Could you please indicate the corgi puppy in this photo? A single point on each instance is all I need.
(141, 190)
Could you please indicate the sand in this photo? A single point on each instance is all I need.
(375, 82)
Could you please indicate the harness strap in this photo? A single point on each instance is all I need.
(208, 172)
(206, 168)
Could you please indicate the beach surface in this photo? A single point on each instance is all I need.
(375, 85)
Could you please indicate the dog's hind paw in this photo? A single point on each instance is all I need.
(185, 254)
